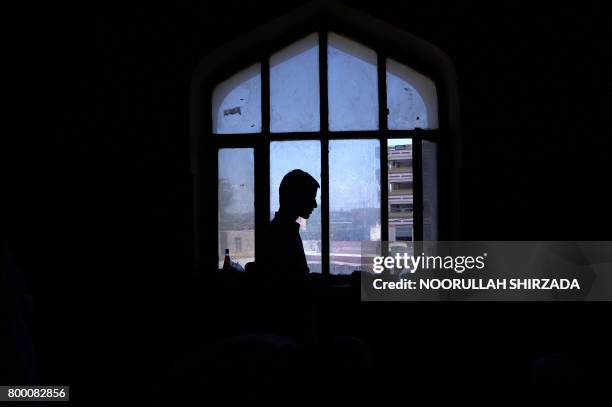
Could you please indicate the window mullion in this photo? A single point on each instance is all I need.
(325, 245)
(382, 125)
(262, 162)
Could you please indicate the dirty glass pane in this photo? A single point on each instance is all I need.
(354, 201)
(236, 103)
(411, 98)
(353, 86)
(399, 173)
(286, 156)
(236, 205)
(430, 191)
(294, 87)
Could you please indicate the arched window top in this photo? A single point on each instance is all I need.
(294, 91)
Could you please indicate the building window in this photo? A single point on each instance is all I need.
(400, 186)
(403, 234)
(399, 164)
(401, 208)
(331, 105)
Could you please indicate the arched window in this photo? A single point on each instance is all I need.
(370, 111)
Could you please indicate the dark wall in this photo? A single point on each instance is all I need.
(100, 208)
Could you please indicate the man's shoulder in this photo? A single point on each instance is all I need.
(281, 225)
(276, 231)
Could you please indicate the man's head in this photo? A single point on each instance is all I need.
(298, 193)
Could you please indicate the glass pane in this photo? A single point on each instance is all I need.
(236, 103)
(286, 156)
(411, 98)
(354, 201)
(430, 191)
(353, 85)
(294, 87)
(236, 205)
(400, 205)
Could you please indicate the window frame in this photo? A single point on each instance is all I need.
(257, 47)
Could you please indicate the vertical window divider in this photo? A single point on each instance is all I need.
(324, 111)
(382, 135)
(262, 161)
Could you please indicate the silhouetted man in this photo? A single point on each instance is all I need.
(284, 256)
(288, 289)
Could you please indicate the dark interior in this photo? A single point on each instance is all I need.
(99, 216)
